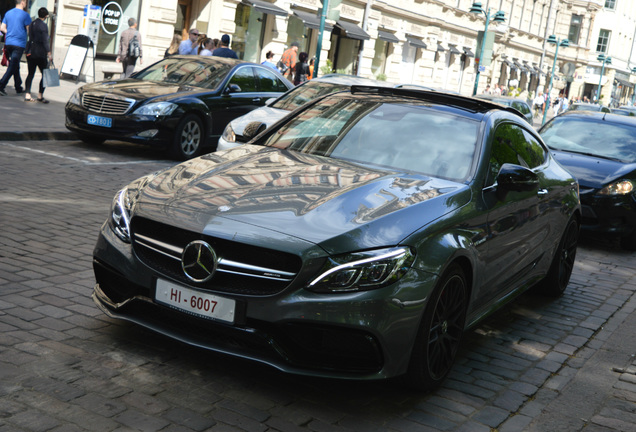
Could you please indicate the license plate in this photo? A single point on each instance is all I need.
(99, 121)
(195, 302)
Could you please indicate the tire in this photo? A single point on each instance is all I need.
(91, 139)
(189, 138)
(558, 277)
(440, 334)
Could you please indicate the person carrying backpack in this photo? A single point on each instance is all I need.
(130, 48)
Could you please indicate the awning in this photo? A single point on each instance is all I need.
(311, 21)
(417, 43)
(453, 49)
(519, 66)
(529, 68)
(510, 64)
(468, 52)
(352, 31)
(386, 36)
(624, 83)
(266, 8)
(440, 48)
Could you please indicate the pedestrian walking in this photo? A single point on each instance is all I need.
(538, 104)
(189, 46)
(224, 48)
(38, 54)
(288, 60)
(301, 71)
(130, 48)
(173, 49)
(269, 57)
(14, 26)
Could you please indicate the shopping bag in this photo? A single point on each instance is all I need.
(5, 60)
(51, 76)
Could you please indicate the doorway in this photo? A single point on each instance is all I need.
(184, 18)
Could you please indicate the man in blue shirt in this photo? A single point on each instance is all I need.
(224, 51)
(189, 46)
(14, 25)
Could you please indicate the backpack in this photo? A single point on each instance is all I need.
(134, 50)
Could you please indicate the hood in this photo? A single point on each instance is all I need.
(267, 115)
(139, 90)
(593, 172)
(329, 202)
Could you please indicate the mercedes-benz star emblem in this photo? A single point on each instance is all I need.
(198, 261)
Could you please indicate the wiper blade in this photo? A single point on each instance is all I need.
(591, 154)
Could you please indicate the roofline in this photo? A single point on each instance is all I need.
(467, 103)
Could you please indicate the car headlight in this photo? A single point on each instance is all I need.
(120, 214)
(622, 187)
(361, 271)
(228, 134)
(157, 109)
(75, 98)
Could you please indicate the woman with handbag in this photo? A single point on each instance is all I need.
(38, 54)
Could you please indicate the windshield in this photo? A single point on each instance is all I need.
(396, 133)
(303, 94)
(186, 72)
(600, 138)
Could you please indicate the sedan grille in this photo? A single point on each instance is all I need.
(241, 269)
(106, 104)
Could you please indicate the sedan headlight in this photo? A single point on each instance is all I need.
(157, 109)
(75, 98)
(120, 214)
(228, 134)
(361, 271)
(622, 187)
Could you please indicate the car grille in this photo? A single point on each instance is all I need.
(106, 104)
(242, 269)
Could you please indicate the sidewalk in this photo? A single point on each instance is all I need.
(21, 121)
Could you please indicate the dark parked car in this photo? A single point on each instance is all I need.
(624, 110)
(599, 149)
(295, 98)
(583, 106)
(358, 237)
(520, 105)
(181, 103)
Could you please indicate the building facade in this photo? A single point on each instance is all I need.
(433, 43)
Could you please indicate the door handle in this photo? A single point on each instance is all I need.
(542, 192)
(256, 99)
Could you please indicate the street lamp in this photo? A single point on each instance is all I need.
(604, 60)
(564, 43)
(498, 17)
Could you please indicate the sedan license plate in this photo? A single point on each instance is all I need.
(195, 302)
(99, 121)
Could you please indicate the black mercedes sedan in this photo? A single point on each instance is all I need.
(357, 237)
(181, 103)
(599, 149)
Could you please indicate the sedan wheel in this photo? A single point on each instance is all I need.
(441, 331)
(558, 276)
(189, 137)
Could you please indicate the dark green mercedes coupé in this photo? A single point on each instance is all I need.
(358, 237)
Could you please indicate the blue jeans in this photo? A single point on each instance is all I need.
(14, 53)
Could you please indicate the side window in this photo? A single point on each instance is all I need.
(521, 107)
(269, 81)
(512, 144)
(244, 78)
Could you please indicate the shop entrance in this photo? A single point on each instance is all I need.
(184, 18)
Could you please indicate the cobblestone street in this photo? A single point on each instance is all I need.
(539, 364)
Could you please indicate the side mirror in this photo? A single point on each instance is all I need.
(252, 129)
(515, 178)
(232, 88)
